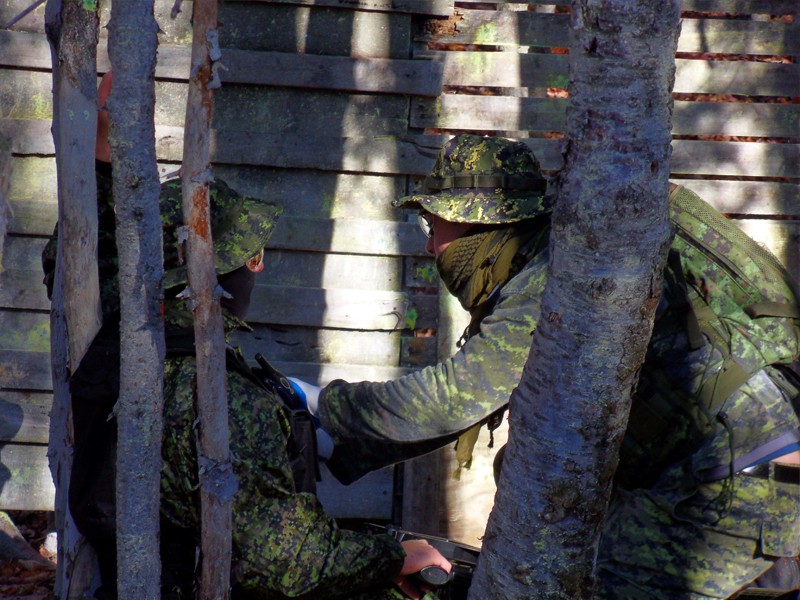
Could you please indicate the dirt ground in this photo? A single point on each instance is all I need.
(24, 579)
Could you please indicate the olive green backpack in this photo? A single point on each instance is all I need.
(738, 296)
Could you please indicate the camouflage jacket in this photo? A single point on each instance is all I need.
(376, 424)
(283, 542)
(428, 408)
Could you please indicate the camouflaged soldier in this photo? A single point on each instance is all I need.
(708, 512)
(284, 545)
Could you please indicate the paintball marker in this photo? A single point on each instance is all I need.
(280, 384)
(464, 558)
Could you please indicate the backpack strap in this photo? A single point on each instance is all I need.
(772, 309)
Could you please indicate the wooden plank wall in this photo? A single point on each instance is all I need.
(334, 111)
(314, 113)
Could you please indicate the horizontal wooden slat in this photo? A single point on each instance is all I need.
(27, 95)
(342, 309)
(23, 330)
(25, 480)
(322, 374)
(750, 159)
(406, 155)
(313, 345)
(301, 192)
(332, 270)
(26, 371)
(747, 197)
(513, 69)
(781, 237)
(349, 236)
(26, 484)
(262, 26)
(769, 7)
(515, 28)
(456, 111)
(375, 75)
(24, 417)
(423, 7)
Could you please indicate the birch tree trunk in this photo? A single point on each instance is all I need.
(609, 241)
(217, 481)
(132, 45)
(75, 313)
(5, 185)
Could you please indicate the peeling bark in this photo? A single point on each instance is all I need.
(609, 241)
(132, 48)
(217, 481)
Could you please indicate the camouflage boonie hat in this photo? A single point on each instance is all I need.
(479, 179)
(240, 228)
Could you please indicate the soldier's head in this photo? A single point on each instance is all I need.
(240, 228)
(478, 180)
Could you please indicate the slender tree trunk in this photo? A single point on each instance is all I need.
(132, 48)
(75, 314)
(5, 185)
(217, 481)
(609, 241)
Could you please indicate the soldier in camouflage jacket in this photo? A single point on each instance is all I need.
(683, 521)
(284, 544)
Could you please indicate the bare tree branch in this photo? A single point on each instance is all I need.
(217, 481)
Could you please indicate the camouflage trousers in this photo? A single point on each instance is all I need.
(683, 538)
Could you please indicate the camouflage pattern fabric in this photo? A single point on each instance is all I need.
(479, 179)
(284, 545)
(694, 529)
(240, 228)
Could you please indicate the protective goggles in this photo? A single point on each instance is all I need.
(425, 220)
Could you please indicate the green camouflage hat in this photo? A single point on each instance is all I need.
(240, 228)
(479, 179)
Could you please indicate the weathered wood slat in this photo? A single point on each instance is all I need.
(24, 370)
(26, 484)
(421, 7)
(312, 345)
(406, 155)
(335, 32)
(24, 417)
(348, 236)
(301, 192)
(322, 374)
(747, 197)
(512, 69)
(415, 155)
(25, 480)
(781, 237)
(341, 308)
(515, 28)
(27, 95)
(503, 113)
(343, 73)
(750, 159)
(21, 285)
(768, 7)
(333, 270)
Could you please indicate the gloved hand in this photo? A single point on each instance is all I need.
(308, 392)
